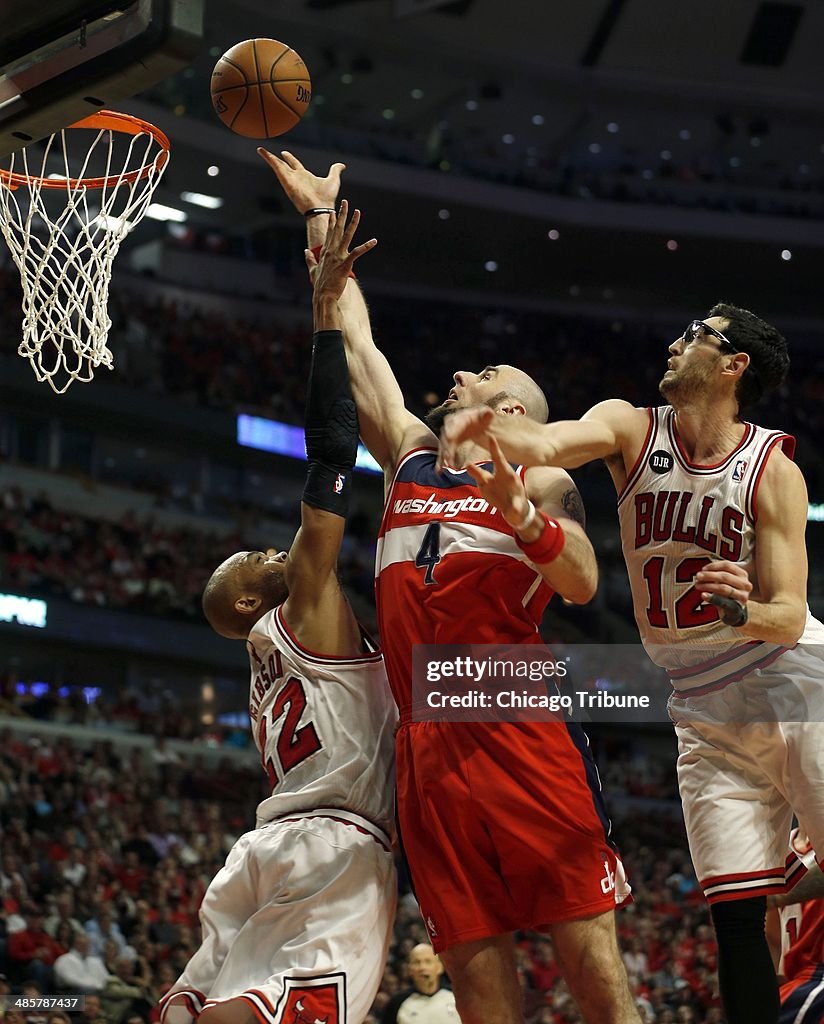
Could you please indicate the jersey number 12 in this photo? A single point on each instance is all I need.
(689, 609)
(294, 744)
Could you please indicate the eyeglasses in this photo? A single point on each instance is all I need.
(695, 328)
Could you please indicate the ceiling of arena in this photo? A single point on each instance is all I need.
(448, 106)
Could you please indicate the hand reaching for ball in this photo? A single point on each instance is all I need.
(335, 264)
(306, 191)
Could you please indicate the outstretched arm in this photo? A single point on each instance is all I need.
(387, 427)
(316, 609)
(547, 516)
(608, 429)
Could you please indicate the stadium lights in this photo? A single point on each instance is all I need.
(27, 611)
(201, 199)
(157, 211)
(286, 439)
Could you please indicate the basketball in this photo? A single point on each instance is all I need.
(260, 88)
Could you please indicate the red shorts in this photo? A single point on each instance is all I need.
(503, 827)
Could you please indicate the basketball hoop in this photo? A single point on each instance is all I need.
(65, 239)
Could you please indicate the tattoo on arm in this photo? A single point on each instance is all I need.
(573, 506)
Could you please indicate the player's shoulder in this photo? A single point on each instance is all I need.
(617, 411)
(264, 632)
(630, 425)
(781, 486)
(546, 482)
(417, 436)
(780, 470)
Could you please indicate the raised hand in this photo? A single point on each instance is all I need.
(305, 190)
(503, 488)
(331, 270)
(460, 426)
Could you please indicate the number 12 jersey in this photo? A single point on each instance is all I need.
(323, 725)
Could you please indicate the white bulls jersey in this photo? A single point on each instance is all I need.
(676, 517)
(324, 727)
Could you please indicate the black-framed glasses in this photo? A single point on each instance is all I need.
(695, 328)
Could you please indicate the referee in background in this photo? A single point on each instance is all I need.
(429, 1001)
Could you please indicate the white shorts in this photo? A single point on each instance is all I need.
(749, 756)
(295, 926)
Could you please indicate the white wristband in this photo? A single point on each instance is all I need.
(531, 512)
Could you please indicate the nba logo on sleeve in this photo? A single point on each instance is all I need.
(739, 469)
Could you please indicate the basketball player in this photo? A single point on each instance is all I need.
(503, 824)
(797, 934)
(713, 513)
(296, 925)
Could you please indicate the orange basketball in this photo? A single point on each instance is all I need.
(260, 88)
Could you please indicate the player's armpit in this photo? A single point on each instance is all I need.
(779, 611)
(574, 573)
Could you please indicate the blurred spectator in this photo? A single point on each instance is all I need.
(101, 928)
(80, 970)
(92, 1012)
(63, 912)
(73, 868)
(32, 949)
(124, 993)
(31, 990)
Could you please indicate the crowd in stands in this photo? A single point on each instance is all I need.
(212, 360)
(711, 176)
(106, 854)
(219, 361)
(131, 564)
(147, 710)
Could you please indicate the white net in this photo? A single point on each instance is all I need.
(64, 212)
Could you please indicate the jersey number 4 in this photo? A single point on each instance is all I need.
(689, 609)
(429, 553)
(293, 744)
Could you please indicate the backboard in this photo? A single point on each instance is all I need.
(65, 59)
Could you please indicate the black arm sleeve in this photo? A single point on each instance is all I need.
(331, 426)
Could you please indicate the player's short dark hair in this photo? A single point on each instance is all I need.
(764, 344)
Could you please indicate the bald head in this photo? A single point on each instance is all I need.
(240, 591)
(520, 386)
(425, 968)
(504, 389)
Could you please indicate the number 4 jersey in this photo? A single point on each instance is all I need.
(323, 725)
(448, 570)
(675, 518)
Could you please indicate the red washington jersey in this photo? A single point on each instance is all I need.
(448, 570)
